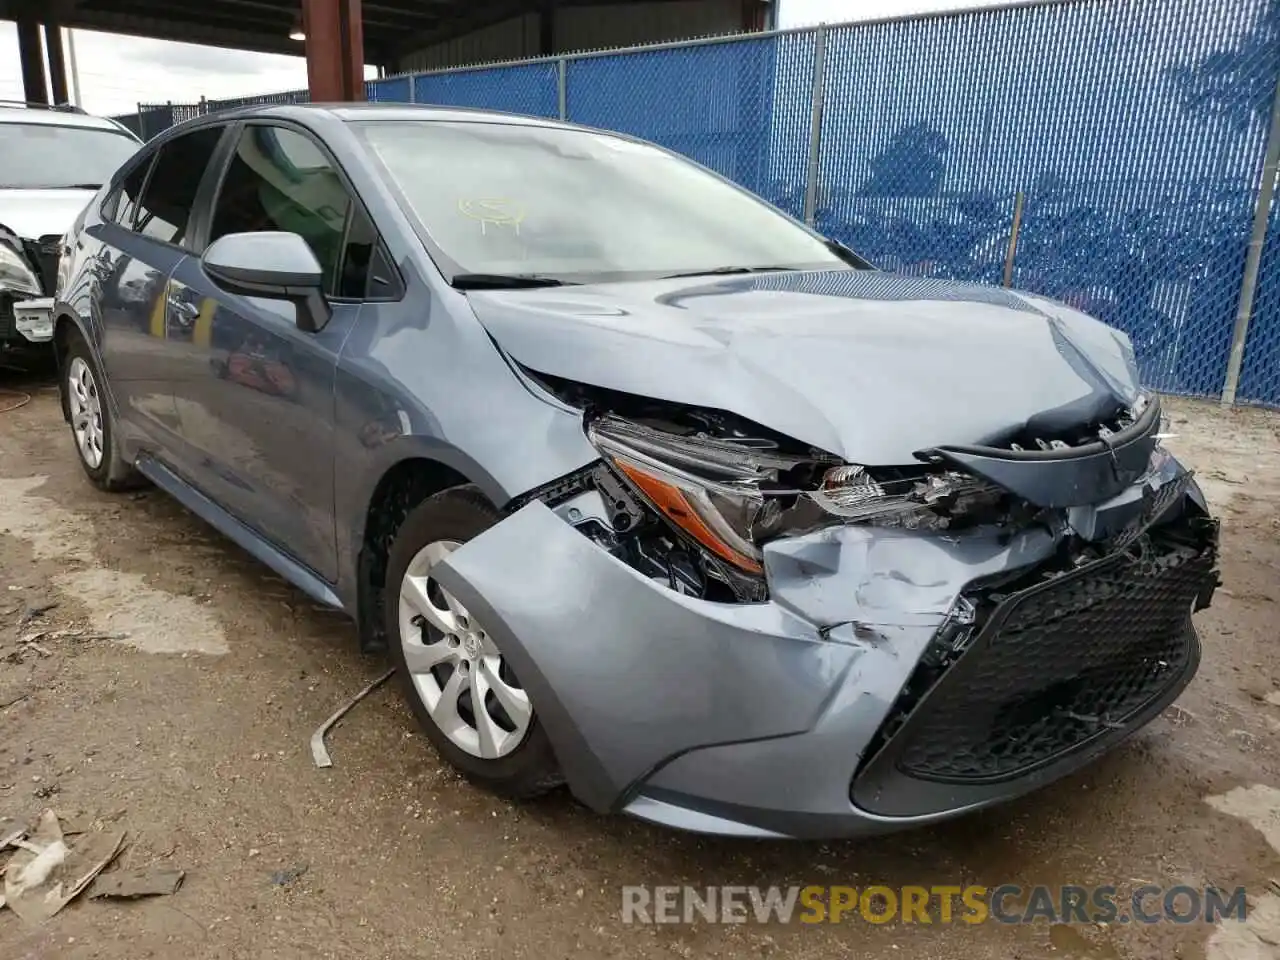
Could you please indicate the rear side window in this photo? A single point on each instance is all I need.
(164, 212)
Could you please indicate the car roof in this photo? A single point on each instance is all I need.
(348, 112)
(54, 117)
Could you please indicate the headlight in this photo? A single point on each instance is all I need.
(16, 274)
(710, 489)
(730, 495)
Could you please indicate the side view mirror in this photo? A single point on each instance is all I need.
(272, 264)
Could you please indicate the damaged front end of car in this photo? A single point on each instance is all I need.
(691, 496)
(874, 645)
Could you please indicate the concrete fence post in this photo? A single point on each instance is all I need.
(562, 88)
(815, 125)
(1019, 201)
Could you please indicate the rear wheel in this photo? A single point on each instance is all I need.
(461, 688)
(91, 425)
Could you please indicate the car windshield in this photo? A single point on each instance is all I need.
(513, 200)
(44, 155)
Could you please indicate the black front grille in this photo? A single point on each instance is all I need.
(1058, 665)
(1059, 668)
(7, 326)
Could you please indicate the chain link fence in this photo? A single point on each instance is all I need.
(531, 89)
(1107, 153)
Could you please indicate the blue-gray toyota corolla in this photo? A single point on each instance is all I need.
(648, 489)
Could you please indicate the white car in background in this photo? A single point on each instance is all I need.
(52, 160)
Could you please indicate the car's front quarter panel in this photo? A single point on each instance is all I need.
(75, 298)
(419, 378)
(83, 267)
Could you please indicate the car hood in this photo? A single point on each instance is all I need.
(32, 214)
(866, 365)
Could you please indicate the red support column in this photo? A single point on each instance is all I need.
(31, 55)
(335, 49)
(756, 16)
(57, 63)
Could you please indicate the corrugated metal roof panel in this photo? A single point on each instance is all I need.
(625, 25)
(512, 39)
(583, 28)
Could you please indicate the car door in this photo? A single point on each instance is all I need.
(145, 225)
(257, 411)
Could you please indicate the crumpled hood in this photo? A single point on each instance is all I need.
(869, 366)
(32, 214)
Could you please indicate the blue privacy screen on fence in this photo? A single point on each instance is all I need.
(1139, 170)
(1129, 135)
(390, 90)
(527, 88)
(716, 103)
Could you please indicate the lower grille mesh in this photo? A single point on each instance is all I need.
(1058, 665)
(7, 325)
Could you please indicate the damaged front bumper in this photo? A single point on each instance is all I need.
(33, 319)
(894, 677)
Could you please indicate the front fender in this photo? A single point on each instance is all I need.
(67, 320)
(625, 673)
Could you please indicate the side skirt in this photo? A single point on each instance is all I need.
(301, 576)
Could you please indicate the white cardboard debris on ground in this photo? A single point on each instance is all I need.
(47, 872)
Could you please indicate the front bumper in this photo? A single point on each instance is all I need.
(786, 718)
(25, 322)
(33, 319)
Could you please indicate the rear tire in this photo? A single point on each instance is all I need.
(458, 685)
(92, 428)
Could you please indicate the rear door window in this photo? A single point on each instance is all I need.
(164, 212)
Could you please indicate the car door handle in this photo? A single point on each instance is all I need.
(186, 311)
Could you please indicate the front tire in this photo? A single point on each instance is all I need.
(92, 429)
(459, 686)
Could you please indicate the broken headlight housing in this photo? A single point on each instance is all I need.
(915, 500)
(16, 275)
(731, 495)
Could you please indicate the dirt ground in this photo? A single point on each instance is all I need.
(190, 733)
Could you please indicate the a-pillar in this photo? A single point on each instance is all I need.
(31, 54)
(335, 49)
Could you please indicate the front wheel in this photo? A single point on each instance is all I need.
(91, 425)
(461, 688)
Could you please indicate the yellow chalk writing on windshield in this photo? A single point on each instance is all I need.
(492, 210)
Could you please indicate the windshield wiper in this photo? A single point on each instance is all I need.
(849, 256)
(69, 186)
(718, 271)
(504, 281)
